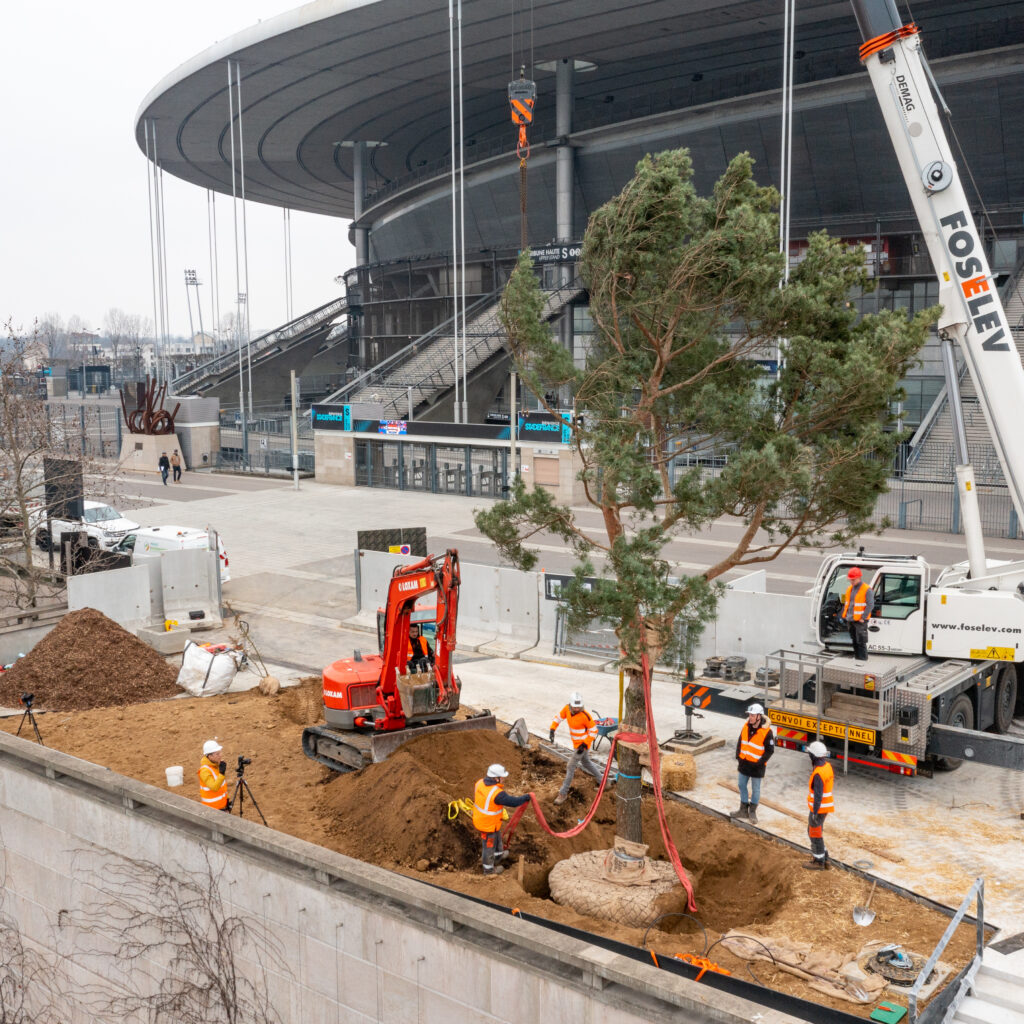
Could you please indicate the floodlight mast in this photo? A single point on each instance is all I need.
(972, 313)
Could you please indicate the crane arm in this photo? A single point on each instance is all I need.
(973, 315)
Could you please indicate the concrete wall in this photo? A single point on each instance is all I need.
(124, 595)
(504, 612)
(360, 944)
(334, 455)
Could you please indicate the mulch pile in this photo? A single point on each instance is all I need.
(88, 661)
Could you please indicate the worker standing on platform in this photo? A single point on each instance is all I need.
(582, 732)
(754, 748)
(858, 603)
(489, 798)
(819, 803)
(213, 786)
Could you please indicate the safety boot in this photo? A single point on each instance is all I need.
(816, 865)
(752, 814)
(742, 814)
(561, 798)
(494, 871)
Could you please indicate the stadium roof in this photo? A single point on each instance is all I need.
(336, 71)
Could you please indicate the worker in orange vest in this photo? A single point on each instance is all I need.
(213, 786)
(420, 657)
(755, 745)
(858, 603)
(582, 731)
(819, 804)
(489, 797)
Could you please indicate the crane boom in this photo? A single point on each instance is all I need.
(973, 315)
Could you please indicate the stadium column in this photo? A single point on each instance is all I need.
(358, 197)
(564, 70)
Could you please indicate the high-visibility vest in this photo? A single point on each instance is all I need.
(582, 725)
(418, 648)
(860, 602)
(486, 813)
(213, 787)
(825, 773)
(752, 745)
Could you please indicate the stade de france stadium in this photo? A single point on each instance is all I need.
(346, 111)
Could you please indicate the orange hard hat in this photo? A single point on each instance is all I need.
(854, 574)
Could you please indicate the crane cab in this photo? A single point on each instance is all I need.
(899, 584)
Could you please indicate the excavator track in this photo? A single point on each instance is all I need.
(345, 751)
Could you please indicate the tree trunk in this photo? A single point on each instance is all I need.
(628, 818)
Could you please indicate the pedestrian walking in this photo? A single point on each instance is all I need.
(858, 603)
(582, 731)
(819, 804)
(176, 465)
(489, 797)
(754, 748)
(164, 465)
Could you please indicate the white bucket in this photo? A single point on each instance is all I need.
(175, 775)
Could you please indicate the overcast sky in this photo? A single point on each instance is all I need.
(75, 239)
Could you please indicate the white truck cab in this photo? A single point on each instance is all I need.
(154, 541)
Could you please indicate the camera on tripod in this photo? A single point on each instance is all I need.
(27, 699)
(242, 762)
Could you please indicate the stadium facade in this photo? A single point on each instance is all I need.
(346, 109)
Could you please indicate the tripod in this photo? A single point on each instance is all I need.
(32, 718)
(238, 796)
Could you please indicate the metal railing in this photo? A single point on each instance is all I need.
(430, 366)
(378, 373)
(976, 893)
(286, 332)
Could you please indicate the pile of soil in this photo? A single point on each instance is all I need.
(88, 661)
(396, 815)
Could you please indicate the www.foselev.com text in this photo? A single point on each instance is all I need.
(970, 627)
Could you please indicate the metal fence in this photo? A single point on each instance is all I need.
(89, 431)
(470, 470)
(265, 451)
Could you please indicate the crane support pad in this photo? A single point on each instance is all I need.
(984, 747)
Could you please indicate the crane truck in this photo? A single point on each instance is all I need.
(946, 654)
(374, 704)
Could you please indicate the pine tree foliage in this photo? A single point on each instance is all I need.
(687, 305)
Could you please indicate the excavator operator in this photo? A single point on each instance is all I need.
(420, 656)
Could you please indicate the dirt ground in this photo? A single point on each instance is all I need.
(395, 815)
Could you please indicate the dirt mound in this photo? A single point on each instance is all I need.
(303, 704)
(88, 661)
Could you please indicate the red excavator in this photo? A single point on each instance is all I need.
(374, 704)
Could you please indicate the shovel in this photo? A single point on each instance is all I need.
(864, 915)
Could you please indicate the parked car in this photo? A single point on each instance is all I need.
(154, 541)
(105, 526)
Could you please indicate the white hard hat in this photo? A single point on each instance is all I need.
(755, 709)
(211, 747)
(576, 700)
(817, 749)
(497, 771)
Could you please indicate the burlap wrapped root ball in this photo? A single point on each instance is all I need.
(597, 884)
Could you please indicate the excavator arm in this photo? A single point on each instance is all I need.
(438, 575)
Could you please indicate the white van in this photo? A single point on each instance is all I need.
(153, 541)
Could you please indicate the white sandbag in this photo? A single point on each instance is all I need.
(204, 674)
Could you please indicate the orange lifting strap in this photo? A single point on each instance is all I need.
(522, 95)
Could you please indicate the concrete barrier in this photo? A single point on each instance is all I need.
(123, 595)
(191, 584)
(755, 624)
(479, 606)
(518, 614)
